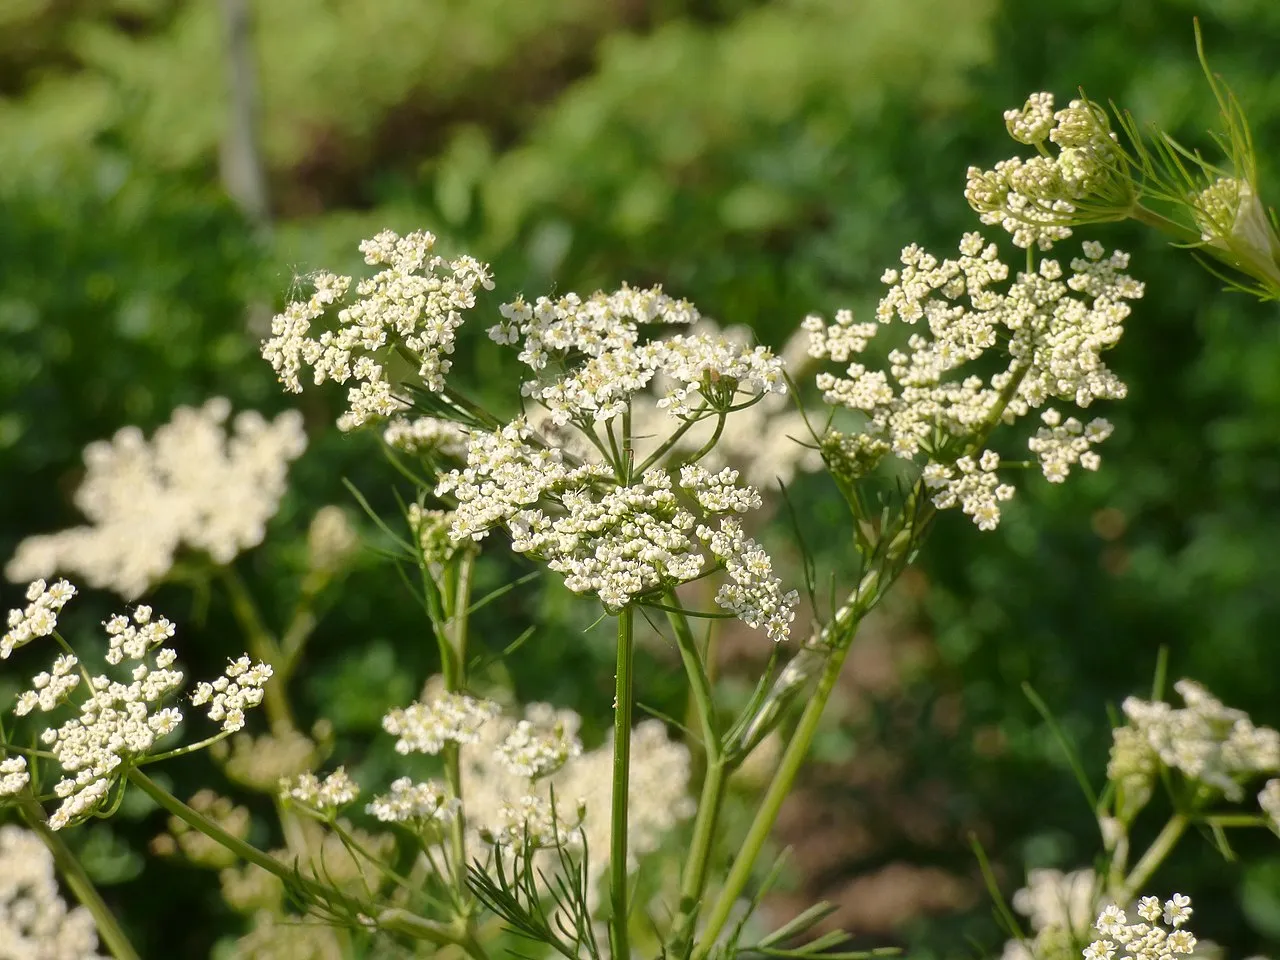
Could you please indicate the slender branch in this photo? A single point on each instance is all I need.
(184, 749)
(1160, 848)
(789, 766)
(714, 439)
(77, 879)
(423, 929)
(695, 418)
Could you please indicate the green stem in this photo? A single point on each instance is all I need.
(183, 750)
(1150, 218)
(789, 766)
(699, 682)
(618, 933)
(1160, 848)
(694, 873)
(671, 441)
(715, 438)
(81, 886)
(454, 658)
(293, 878)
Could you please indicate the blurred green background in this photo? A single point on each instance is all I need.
(764, 160)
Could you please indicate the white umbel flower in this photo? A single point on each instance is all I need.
(1269, 801)
(199, 483)
(328, 795)
(13, 776)
(415, 804)
(239, 689)
(1205, 741)
(427, 727)
(35, 922)
(39, 618)
(926, 407)
(1147, 939)
(415, 304)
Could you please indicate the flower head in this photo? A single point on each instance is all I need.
(195, 484)
(414, 304)
(929, 406)
(38, 618)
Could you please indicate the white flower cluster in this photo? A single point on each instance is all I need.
(334, 791)
(1035, 200)
(195, 484)
(699, 368)
(118, 722)
(35, 923)
(602, 323)
(1147, 939)
(427, 435)
(1205, 741)
(39, 618)
(512, 769)
(540, 746)
(13, 776)
(1052, 898)
(1061, 443)
(503, 805)
(615, 541)
(1060, 908)
(427, 727)
(973, 485)
(1269, 801)
(753, 593)
(49, 688)
(230, 695)
(131, 639)
(415, 303)
(533, 821)
(417, 804)
(1053, 329)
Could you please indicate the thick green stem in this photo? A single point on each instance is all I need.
(1160, 848)
(454, 657)
(783, 779)
(73, 873)
(618, 899)
(694, 874)
(699, 681)
(697, 864)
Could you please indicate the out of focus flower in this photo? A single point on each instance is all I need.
(196, 484)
